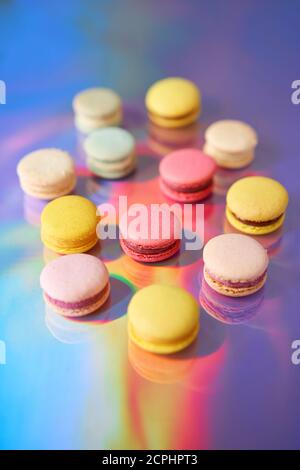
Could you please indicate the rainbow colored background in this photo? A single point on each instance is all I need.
(79, 385)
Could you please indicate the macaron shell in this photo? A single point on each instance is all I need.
(231, 161)
(162, 348)
(112, 171)
(257, 198)
(74, 278)
(251, 229)
(232, 291)
(231, 136)
(109, 145)
(235, 258)
(186, 166)
(173, 97)
(96, 102)
(73, 247)
(157, 220)
(163, 319)
(86, 125)
(51, 193)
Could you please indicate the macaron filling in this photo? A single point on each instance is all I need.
(148, 250)
(254, 223)
(238, 284)
(153, 116)
(82, 304)
(157, 345)
(192, 188)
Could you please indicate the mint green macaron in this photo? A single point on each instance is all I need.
(110, 152)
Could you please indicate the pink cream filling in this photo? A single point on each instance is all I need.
(77, 305)
(238, 284)
(188, 189)
(148, 250)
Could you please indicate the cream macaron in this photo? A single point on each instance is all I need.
(230, 143)
(47, 173)
(95, 108)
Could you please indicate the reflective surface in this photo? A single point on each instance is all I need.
(80, 384)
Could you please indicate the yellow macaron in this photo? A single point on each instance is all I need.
(173, 102)
(68, 225)
(256, 205)
(163, 319)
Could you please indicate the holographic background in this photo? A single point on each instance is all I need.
(79, 385)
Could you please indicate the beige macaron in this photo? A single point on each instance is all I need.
(47, 173)
(230, 143)
(95, 108)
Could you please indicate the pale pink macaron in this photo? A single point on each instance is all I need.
(75, 285)
(186, 175)
(235, 264)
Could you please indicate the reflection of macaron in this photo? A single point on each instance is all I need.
(163, 319)
(110, 152)
(68, 330)
(186, 175)
(95, 108)
(75, 285)
(155, 240)
(166, 369)
(143, 275)
(256, 205)
(33, 208)
(235, 264)
(163, 140)
(173, 102)
(69, 225)
(47, 173)
(230, 143)
(232, 310)
(270, 241)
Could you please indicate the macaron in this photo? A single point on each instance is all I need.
(75, 285)
(158, 239)
(186, 175)
(230, 143)
(95, 108)
(256, 205)
(110, 152)
(163, 319)
(173, 102)
(235, 265)
(68, 225)
(47, 173)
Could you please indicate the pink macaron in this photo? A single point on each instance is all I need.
(155, 238)
(75, 285)
(186, 175)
